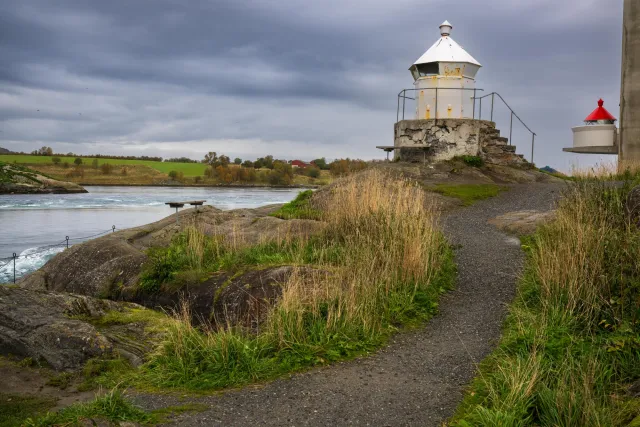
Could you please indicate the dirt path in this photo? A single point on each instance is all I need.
(419, 378)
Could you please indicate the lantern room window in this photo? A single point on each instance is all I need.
(430, 69)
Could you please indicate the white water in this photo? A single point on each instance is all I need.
(30, 223)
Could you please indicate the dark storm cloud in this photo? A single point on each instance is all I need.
(290, 77)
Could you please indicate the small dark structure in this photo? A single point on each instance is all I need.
(179, 205)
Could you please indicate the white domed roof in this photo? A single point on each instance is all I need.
(446, 50)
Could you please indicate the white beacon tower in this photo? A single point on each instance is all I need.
(444, 79)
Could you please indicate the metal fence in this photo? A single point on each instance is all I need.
(476, 112)
(65, 244)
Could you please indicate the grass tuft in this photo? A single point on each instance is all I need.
(469, 193)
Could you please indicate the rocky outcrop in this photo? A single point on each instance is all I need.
(224, 299)
(114, 262)
(522, 222)
(58, 329)
(20, 180)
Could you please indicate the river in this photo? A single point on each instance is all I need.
(31, 223)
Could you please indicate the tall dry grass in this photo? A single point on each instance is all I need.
(391, 249)
(575, 319)
(378, 264)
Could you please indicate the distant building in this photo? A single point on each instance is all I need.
(299, 164)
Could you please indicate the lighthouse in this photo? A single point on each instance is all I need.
(445, 79)
(598, 135)
(448, 120)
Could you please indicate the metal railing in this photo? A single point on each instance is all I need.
(477, 105)
(65, 244)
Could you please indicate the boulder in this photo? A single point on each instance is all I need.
(59, 329)
(226, 300)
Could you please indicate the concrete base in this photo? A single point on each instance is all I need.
(443, 139)
(630, 93)
(609, 149)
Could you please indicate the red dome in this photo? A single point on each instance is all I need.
(599, 113)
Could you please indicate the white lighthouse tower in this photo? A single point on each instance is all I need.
(444, 79)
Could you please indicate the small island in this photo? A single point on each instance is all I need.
(16, 179)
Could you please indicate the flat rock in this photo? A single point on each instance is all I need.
(522, 222)
(56, 328)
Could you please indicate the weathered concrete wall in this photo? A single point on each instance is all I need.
(443, 139)
(630, 93)
(437, 140)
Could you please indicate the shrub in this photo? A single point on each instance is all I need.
(106, 168)
(56, 160)
(65, 165)
(197, 179)
(94, 163)
(177, 175)
(237, 161)
(78, 161)
(474, 161)
(345, 167)
(312, 172)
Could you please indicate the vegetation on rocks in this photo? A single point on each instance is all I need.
(299, 207)
(379, 265)
(570, 348)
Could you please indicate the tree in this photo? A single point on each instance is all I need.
(268, 162)
(224, 160)
(210, 158)
(77, 161)
(247, 164)
(259, 163)
(237, 161)
(321, 163)
(56, 160)
(44, 151)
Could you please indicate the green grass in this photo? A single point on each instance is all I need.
(188, 169)
(469, 193)
(299, 208)
(571, 343)
(197, 360)
(112, 407)
(14, 409)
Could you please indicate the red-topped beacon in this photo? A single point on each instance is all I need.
(598, 135)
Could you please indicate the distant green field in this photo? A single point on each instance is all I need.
(188, 169)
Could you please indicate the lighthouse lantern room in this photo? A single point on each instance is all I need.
(598, 135)
(444, 79)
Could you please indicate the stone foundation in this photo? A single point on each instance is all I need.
(443, 139)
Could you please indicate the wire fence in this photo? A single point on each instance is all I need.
(65, 244)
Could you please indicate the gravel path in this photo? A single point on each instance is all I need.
(419, 378)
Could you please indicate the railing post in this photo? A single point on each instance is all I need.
(398, 109)
(533, 143)
(492, 97)
(113, 228)
(474, 103)
(511, 129)
(404, 100)
(14, 267)
(480, 117)
(67, 238)
(436, 116)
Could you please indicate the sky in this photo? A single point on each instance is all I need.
(291, 78)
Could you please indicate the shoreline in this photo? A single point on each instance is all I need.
(284, 187)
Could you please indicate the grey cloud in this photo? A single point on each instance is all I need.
(134, 74)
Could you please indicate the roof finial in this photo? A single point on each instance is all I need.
(445, 28)
(600, 103)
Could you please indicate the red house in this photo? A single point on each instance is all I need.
(299, 164)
